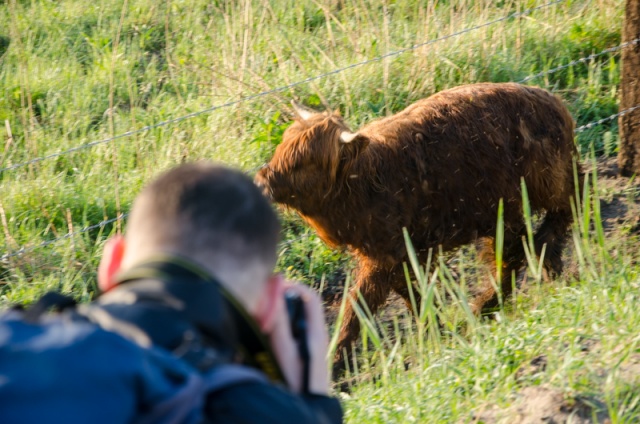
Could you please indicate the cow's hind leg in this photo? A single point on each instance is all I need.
(512, 260)
(373, 286)
(553, 233)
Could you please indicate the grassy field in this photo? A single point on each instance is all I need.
(76, 71)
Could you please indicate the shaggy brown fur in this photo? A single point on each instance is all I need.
(438, 168)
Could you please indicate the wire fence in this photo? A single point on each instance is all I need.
(607, 119)
(277, 89)
(26, 249)
(582, 60)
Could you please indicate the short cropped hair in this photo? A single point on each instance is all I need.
(202, 208)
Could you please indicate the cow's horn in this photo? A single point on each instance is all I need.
(301, 111)
(347, 137)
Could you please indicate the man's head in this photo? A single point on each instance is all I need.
(210, 214)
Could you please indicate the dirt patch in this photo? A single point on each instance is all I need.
(536, 366)
(542, 404)
(619, 198)
(394, 307)
(629, 370)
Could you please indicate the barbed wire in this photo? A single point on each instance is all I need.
(603, 120)
(275, 90)
(26, 249)
(581, 60)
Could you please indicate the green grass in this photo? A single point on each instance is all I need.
(76, 71)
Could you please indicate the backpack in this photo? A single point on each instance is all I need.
(62, 368)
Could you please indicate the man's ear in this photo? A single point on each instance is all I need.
(110, 263)
(271, 303)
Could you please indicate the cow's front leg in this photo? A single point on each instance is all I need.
(372, 286)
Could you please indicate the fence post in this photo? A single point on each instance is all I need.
(629, 124)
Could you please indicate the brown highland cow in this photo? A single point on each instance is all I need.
(438, 168)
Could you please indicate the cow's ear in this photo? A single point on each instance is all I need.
(355, 141)
(301, 111)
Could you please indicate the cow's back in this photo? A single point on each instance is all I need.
(460, 151)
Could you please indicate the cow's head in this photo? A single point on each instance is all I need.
(307, 166)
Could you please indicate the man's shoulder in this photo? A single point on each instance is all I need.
(259, 401)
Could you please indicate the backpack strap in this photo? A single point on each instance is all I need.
(48, 301)
(179, 408)
(188, 402)
(228, 375)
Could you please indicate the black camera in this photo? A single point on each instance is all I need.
(298, 321)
